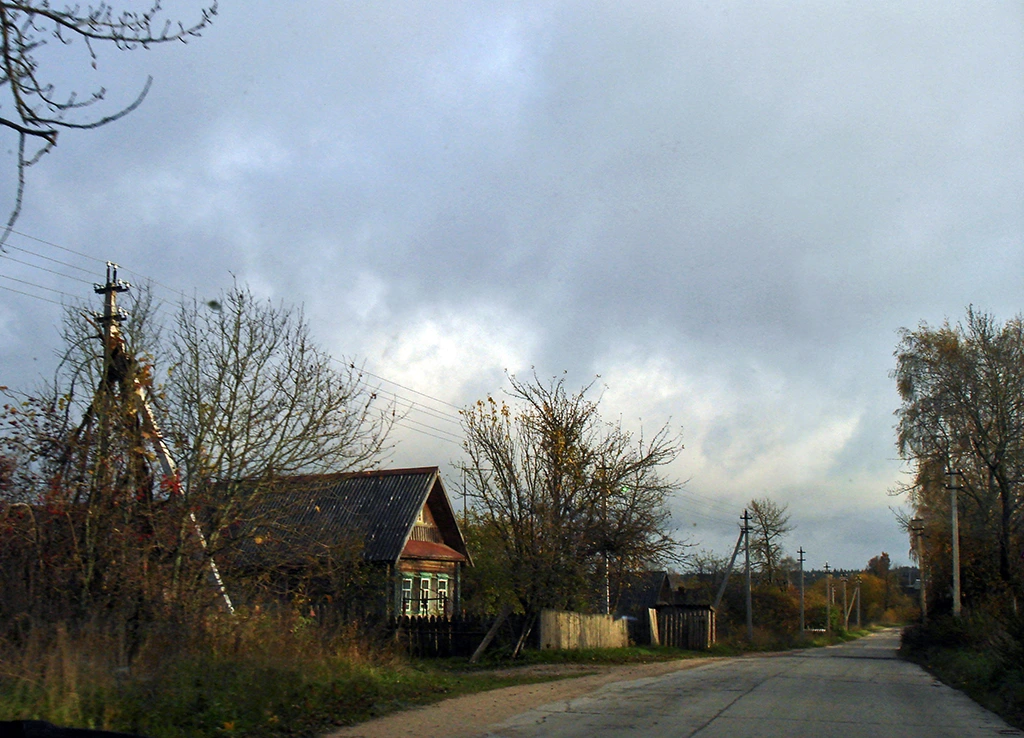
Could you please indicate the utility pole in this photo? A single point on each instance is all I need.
(111, 317)
(116, 359)
(846, 611)
(110, 323)
(750, 608)
(955, 532)
(917, 526)
(858, 600)
(728, 570)
(800, 552)
(828, 598)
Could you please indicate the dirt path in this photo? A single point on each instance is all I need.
(469, 715)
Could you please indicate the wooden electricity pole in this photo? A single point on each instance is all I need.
(858, 600)
(828, 598)
(750, 608)
(846, 610)
(955, 532)
(917, 526)
(728, 570)
(117, 359)
(800, 552)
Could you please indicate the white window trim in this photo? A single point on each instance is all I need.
(406, 596)
(424, 601)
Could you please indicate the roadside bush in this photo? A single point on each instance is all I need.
(979, 653)
(776, 609)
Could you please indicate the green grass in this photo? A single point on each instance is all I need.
(766, 641)
(976, 655)
(984, 676)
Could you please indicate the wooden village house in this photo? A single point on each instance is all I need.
(401, 519)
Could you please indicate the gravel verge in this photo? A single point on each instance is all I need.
(469, 715)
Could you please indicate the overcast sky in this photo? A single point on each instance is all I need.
(725, 211)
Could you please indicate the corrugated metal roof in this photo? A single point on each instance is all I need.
(381, 506)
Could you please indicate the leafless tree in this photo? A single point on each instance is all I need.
(251, 398)
(35, 38)
(570, 497)
(707, 565)
(769, 524)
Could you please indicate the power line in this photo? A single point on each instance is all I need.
(47, 258)
(32, 295)
(58, 246)
(44, 269)
(37, 286)
(409, 389)
(411, 406)
(426, 433)
(704, 516)
(451, 436)
(125, 269)
(414, 406)
(710, 503)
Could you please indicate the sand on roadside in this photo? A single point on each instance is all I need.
(469, 715)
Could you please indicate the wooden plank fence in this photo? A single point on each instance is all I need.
(692, 628)
(440, 637)
(573, 630)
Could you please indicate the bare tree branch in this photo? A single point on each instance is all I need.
(39, 112)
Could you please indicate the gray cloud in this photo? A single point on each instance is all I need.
(756, 197)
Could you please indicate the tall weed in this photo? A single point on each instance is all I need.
(246, 675)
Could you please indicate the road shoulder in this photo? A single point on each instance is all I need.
(469, 715)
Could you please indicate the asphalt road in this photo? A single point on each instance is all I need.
(856, 689)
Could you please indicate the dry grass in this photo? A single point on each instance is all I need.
(263, 675)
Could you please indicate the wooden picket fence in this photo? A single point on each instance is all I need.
(439, 637)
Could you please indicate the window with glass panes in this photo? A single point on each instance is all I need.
(424, 595)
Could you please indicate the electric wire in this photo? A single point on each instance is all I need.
(449, 436)
(124, 269)
(435, 413)
(406, 404)
(45, 269)
(702, 500)
(418, 407)
(29, 294)
(409, 406)
(401, 424)
(58, 246)
(403, 402)
(23, 250)
(687, 511)
(37, 286)
(408, 389)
